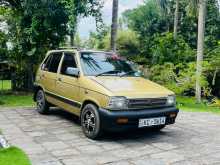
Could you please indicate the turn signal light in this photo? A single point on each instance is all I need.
(122, 121)
(172, 115)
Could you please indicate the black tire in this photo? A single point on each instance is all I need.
(158, 128)
(42, 104)
(90, 122)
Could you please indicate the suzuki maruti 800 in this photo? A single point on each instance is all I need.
(104, 90)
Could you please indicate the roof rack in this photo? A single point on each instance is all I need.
(71, 47)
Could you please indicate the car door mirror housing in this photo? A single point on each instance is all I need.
(72, 72)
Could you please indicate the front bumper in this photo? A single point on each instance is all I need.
(109, 118)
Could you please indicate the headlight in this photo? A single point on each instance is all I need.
(171, 100)
(117, 103)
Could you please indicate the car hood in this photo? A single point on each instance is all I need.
(132, 87)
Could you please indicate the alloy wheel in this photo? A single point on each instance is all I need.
(89, 122)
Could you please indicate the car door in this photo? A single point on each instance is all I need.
(43, 71)
(68, 86)
(49, 72)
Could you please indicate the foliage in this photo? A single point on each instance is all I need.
(11, 155)
(214, 70)
(5, 85)
(36, 26)
(150, 20)
(84, 8)
(166, 49)
(179, 78)
(127, 43)
(16, 99)
(154, 23)
(189, 104)
(96, 39)
(146, 20)
(32, 31)
(3, 46)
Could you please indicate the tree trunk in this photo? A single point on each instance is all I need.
(200, 47)
(214, 76)
(72, 39)
(176, 20)
(114, 25)
(73, 31)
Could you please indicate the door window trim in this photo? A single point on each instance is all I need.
(62, 59)
(49, 59)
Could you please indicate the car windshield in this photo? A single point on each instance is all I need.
(104, 64)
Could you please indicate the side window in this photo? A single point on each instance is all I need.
(68, 61)
(54, 62)
(46, 64)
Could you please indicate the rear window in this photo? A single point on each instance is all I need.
(54, 62)
(46, 64)
(51, 63)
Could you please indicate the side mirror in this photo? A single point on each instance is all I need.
(72, 72)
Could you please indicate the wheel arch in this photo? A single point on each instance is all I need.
(88, 101)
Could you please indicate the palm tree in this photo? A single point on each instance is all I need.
(193, 5)
(114, 26)
(164, 4)
(176, 20)
(200, 46)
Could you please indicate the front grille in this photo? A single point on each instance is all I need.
(147, 103)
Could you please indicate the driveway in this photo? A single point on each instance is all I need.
(57, 139)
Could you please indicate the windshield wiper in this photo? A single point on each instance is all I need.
(127, 73)
(109, 72)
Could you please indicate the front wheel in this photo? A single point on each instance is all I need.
(42, 104)
(90, 121)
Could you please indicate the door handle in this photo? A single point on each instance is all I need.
(59, 79)
(42, 76)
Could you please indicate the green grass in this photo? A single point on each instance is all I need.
(189, 104)
(16, 100)
(5, 85)
(13, 156)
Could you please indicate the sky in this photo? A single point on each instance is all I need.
(88, 24)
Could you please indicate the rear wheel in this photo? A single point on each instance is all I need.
(42, 104)
(90, 121)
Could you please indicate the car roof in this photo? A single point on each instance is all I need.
(69, 49)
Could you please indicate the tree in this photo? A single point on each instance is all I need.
(147, 21)
(36, 26)
(114, 26)
(200, 47)
(76, 9)
(3, 46)
(165, 5)
(96, 39)
(176, 19)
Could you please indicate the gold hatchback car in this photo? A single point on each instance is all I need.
(104, 90)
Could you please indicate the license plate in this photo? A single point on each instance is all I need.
(151, 122)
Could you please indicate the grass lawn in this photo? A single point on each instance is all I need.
(13, 156)
(13, 100)
(189, 104)
(5, 85)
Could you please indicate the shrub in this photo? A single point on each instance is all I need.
(179, 78)
(166, 49)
